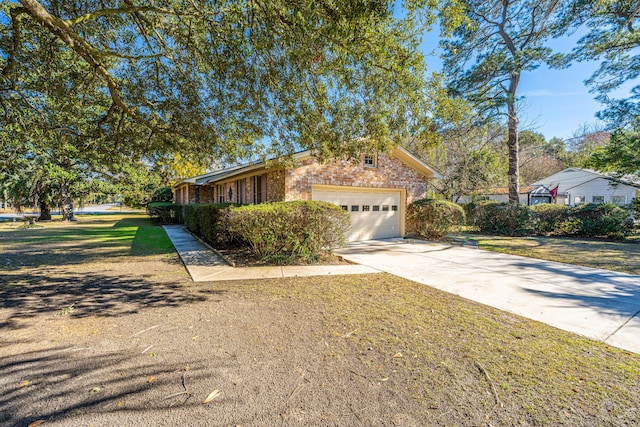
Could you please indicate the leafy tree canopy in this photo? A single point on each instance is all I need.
(613, 39)
(222, 79)
(621, 154)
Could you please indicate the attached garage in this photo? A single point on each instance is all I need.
(375, 189)
(375, 213)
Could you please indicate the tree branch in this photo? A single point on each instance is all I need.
(61, 29)
(14, 12)
(122, 10)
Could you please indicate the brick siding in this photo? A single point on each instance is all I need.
(275, 186)
(296, 183)
(389, 173)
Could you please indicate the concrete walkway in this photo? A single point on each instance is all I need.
(599, 304)
(205, 265)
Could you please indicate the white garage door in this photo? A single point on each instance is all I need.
(374, 214)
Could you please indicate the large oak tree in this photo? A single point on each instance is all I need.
(222, 78)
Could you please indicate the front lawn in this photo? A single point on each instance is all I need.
(102, 326)
(610, 255)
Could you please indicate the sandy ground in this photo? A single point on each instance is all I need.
(92, 347)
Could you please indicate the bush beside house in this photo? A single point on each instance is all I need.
(511, 219)
(635, 208)
(165, 213)
(432, 218)
(587, 220)
(548, 218)
(283, 230)
(593, 220)
(204, 220)
(278, 231)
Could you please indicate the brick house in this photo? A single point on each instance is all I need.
(375, 191)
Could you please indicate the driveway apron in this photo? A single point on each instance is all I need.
(599, 304)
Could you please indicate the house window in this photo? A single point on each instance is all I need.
(371, 160)
(376, 208)
(385, 208)
(578, 200)
(597, 199)
(619, 200)
(240, 190)
(355, 208)
(230, 195)
(220, 194)
(394, 208)
(366, 208)
(257, 189)
(344, 207)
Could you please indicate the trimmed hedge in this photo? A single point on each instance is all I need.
(589, 220)
(475, 209)
(432, 218)
(204, 220)
(165, 213)
(511, 219)
(634, 206)
(283, 230)
(548, 218)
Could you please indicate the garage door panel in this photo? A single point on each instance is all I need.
(374, 214)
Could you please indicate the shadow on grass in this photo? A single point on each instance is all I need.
(78, 243)
(87, 295)
(74, 382)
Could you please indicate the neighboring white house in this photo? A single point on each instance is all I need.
(577, 186)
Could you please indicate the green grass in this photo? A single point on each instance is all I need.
(617, 256)
(91, 236)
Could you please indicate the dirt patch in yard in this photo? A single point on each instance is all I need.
(123, 337)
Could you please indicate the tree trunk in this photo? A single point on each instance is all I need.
(513, 173)
(67, 202)
(45, 211)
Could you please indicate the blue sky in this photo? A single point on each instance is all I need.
(557, 102)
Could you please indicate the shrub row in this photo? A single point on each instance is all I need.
(206, 220)
(511, 219)
(281, 230)
(433, 218)
(588, 220)
(165, 213)
(277, 231)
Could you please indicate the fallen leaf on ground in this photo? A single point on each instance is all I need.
(36, 423)
(151, 378)
(24, 383)
(212, 395)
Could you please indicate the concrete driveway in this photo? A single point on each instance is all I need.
(599, 304)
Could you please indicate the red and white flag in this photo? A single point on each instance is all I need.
(554, 192)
